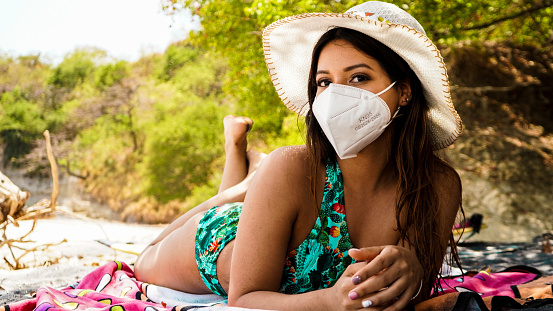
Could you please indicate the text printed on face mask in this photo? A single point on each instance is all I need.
(366, 119)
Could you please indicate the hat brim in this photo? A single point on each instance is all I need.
(288, 46)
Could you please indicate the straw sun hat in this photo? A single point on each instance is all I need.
(288, 45)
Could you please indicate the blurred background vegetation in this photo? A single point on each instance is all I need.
(146, 137)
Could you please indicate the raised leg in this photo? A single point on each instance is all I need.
(254, 160)
(236, 166)
(170, 259)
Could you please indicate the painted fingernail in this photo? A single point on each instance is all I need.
(367, 303)
(356, 280)
(353, 295)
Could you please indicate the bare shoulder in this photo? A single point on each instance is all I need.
(287, 162)
(294, 155)
(283, 175)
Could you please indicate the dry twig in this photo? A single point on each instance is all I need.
(13, 197)
(54, 167)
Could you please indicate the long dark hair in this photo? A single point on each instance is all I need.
(411, 153)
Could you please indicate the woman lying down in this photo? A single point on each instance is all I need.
(361, 215)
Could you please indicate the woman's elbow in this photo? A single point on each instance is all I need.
(235, 300)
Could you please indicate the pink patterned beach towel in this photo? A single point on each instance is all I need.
(487, 284)
(113, 287)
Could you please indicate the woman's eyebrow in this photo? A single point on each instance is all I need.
(349, 68)
(357, 66)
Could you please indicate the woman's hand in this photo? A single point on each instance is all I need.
(390, 278)
(343, 288)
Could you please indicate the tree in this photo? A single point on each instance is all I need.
(180, 149)
(522, 21)
(75, 68)
(233, 29)
(109, 74)
(20, 124)
(175, 57)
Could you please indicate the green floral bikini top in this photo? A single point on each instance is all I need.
(323, 256)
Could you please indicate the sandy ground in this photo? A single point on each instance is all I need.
(63, 264)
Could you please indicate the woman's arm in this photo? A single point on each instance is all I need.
(335, 298)
(397, 268)
(269, 212)
(271, 208)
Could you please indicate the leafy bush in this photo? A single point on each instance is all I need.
(75, 68)
(180, 148)
(109, 74)
(175, 57)
(20, 124)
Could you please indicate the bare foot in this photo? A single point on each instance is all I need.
(254, 160)
(236, 131)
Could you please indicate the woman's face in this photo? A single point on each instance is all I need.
(341, 63)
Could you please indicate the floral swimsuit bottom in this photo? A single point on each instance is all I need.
(317, 263)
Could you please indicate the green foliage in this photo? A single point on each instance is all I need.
(179, 149)
(20, 124)
(147, 66)
(292, 133)
(75, 69)
(109, 74)
(520, 21)
(199, 193)
(100, 138)
(175, 57)
(448, 21)
(26, 73)
(157, 135)
(203, 77)
(24, 105)
(150, 129)
(233, 29)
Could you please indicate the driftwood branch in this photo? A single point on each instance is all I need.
(54, 168)
(17, 260)
(41, 208)
(12, 201)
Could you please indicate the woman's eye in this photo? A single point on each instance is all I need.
(359, 78)
(323, 83)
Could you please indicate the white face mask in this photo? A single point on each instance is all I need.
(351, 118)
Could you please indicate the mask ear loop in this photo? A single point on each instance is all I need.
(386, 89)
(394, 116)
(397, 111)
